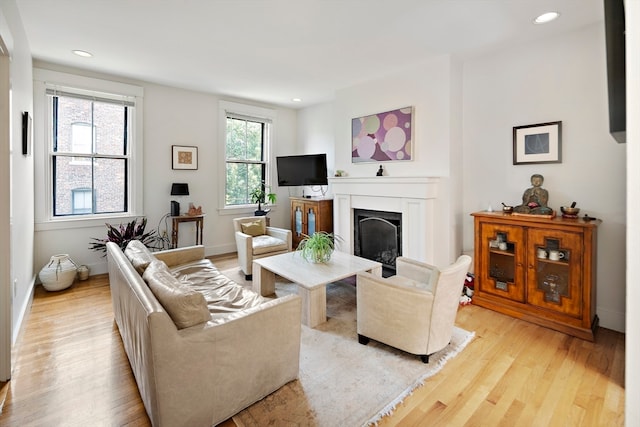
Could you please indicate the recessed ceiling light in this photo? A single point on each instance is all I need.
(546, 17)
(82, 53)
(296, 99)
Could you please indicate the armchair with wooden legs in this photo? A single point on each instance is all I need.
(254, 239)
(414, 310)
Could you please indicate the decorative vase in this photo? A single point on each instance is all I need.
(58, 273)
(83, 272)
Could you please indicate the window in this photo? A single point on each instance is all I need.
(88, 135)
(90, 156)
(82, 137)
(82, 200)
(246, 165)
(82, 141)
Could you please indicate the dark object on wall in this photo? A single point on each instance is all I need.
(614, 23)
(178, 189)
(307, 169)
(26, 133)
(184, 157)
(380, 171)
(175, 208)
(538, 143)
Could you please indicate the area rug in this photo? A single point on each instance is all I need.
(341, 382)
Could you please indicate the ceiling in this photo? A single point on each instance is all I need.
(276, 50)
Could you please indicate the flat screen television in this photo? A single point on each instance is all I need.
(614, 22)
(306, 169)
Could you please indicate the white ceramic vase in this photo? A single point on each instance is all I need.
(58, 273)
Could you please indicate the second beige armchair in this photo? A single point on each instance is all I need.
(413, 311)
(254, 239)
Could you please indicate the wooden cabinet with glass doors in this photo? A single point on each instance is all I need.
(539, 269)
(309, 215)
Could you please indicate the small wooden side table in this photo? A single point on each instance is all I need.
(175, 226)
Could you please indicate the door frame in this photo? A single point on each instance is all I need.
(5, 215)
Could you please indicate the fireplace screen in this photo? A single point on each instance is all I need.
(378, 237)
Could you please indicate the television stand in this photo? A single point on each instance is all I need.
(308, 215)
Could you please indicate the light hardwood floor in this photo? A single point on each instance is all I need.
(70, 369)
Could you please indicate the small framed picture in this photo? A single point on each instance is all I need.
(539, 143)
(184, 157)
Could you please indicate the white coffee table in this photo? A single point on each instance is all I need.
(312, 279)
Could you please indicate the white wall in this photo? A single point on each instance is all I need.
(174, 117)
(563, 78)
(21, 173)
(316, 135)
(433, 88)
(426, 87)
(6, 43)
(632, 371)
(463, 130)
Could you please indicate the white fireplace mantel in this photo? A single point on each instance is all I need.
(414, 197)
(387, 186)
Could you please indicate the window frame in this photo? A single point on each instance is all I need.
(91, 87)
(249, 112)
(76, 157)
(265, 127)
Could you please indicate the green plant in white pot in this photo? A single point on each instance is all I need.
(318, 247)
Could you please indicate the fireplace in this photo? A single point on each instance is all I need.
(378, 237)
(421, 201)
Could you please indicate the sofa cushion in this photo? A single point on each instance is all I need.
(138, 255)
(405, 281)
(265, 244)
(254, 228)
(186, 307)
(222, 294)
(427, 284)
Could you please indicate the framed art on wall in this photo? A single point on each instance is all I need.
(184, 157)
(539, 143)
(382, 137)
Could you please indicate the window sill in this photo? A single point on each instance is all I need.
(74, 223)
(245, 210)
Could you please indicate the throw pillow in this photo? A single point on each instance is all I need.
(254, 228)
(139, 255)
(185, 306)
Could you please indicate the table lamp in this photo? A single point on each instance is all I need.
(178, 189)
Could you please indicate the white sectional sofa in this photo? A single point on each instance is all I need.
(201, 347)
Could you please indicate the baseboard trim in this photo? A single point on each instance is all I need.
(611, 319)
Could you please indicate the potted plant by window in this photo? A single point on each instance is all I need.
(318, 247)
(122, 234)
(261, 195)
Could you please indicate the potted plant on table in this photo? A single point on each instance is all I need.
(318, 247)
(261, 195)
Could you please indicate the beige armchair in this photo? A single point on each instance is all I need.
(255, 240)
(413, 311)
